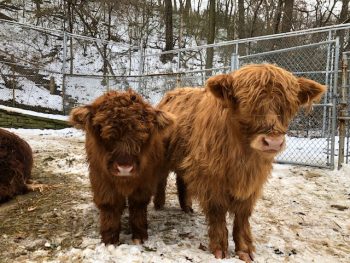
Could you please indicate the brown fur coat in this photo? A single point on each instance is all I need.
(124, 146)
(225, 141)
(16, 161)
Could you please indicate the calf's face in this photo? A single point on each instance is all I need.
(121, 125)
(264, 98)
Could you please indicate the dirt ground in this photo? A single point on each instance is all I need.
(39, 225)
(303, 216)
(46, 219)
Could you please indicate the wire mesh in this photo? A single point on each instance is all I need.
(310, 135)
(30, 68)
(57, 70)
(307, 141)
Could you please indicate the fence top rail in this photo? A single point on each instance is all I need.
(60, 33)
(289, 49)
(259, 38)
(45, 29)
(220, 44)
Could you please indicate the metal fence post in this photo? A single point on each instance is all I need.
(343, 110)
(325, 100)
(13, 82)
(64, 61)
(178, 76)
(234, 61)
(140, 65)
(334, 100)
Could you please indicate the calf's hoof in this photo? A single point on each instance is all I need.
(158, 206)
(110, 238)
(219, 254)
(246, 257)
(137, 241)
(187, 209)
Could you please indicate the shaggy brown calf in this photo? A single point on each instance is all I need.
(225, 141)
(124, 146)
(16, 161)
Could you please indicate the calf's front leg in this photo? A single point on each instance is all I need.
(217, 231)
(242, 235)
(138, 217)
(110, 215)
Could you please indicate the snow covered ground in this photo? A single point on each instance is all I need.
(303, 215)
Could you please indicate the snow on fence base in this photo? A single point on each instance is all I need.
(16, 118)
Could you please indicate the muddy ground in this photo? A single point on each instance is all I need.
(47, 219)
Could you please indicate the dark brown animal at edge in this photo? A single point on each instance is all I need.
(16, 161)
(225, 140)
(125, 149)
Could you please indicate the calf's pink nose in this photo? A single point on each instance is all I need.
(273, 142)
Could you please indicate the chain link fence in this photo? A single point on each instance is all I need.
(56, 71)
(30, 67)
(310, 136)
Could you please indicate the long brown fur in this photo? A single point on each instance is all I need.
(122, 129)
(16, 161)
(217, 146)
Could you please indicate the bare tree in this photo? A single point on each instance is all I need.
(344, 18)
(324, 13)
(38, 4)
(169, 38)
(211, 35)
(287, 19)
(344, 13)
(187, 10)
(241, 20)
(278, 16)
(255, 16)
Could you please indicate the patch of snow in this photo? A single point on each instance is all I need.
(34, 113)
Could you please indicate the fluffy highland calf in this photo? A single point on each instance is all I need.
(225, 140)
(16, 161)
(125, 148)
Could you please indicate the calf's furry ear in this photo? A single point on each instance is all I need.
(310, 91)
(221, 86)
(164, 119)
(79, 116)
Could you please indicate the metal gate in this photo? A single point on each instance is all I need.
(311, 137)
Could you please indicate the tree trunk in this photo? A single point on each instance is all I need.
(344, 11)
(255, 16)
(168, 25)
(70, 29)
(231, 22)
(278, 16)
(109, 8)
(241, 22)
(169, 38)
(343, 18)
(175, 5)
(187, 11)
(38, 11)
(287, 20)
(211, 36)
